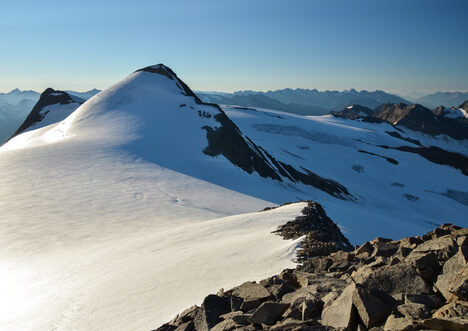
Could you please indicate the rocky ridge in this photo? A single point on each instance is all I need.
(416, 283)
(415, 117)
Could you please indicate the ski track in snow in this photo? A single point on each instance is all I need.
(115, 219)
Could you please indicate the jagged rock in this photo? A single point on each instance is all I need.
(279, 290)
(250, 291)
(236, 303)
(394, 323)
(371, 309)
(366, 248)
(316, 264)
(449, 324)
(323, 236)
(321, 284)
(385, 248)
(241, 319)
(300, 294)
(210, 311)
(250, 304)
(341, 312)
(427, 264)
(226, 325)
(268, 313)
(449, 270)
(444, 247)
(230, 315)
(454, 309)
(393, 279)
(432, 301)
(441, 231)
(188, 326)
(414, 310)
(459, 285)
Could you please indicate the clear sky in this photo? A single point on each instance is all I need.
(238, 44)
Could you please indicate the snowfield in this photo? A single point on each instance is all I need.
(115, 219)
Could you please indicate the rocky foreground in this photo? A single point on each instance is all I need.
(416, 283)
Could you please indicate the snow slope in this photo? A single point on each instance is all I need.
(117, 218)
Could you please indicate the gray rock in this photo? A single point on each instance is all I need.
(268, 313)
(236, 303)
(449, 270)
(310, 307)
(250, 304)
(393, 279)
(210, 311)
(454, 309)
(443, 247)
(414, 310)
(459, 285)
(341, 313)
(451, 324)
(241, 319)
(394, 323)
(431, 301)
(250, 291)
(427, 264)
(300, 295)
(230, 315)
(226, 325)
(279, 290)
(367, 248)
(188, 326)
(387, 248)
(370, 308)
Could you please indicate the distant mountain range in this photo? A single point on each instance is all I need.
(314, 102)
(447, 99)
(302, 101)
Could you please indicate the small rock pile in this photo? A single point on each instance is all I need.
(416, 283)
(322, 235)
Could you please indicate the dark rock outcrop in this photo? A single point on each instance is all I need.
(415, 117)
(353, 112)
(322, 235)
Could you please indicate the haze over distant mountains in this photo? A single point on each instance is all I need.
(314, 102)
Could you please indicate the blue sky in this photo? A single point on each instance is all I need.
(232, 45)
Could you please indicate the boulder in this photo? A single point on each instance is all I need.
(459, 285)
(241, 319)
(250, 291)
(385, 248)
(268, 313)
(250, 304)
(449, 324)
(427, 264)
(414, 310)
(393, 279)
(341, 312)
(226, 325)
(444, 247)
(187, 326)
(394, 323)
(431, 301)
(371, 309)
(454, 309)
(366, 248)
(449, 270)
(210, 311)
